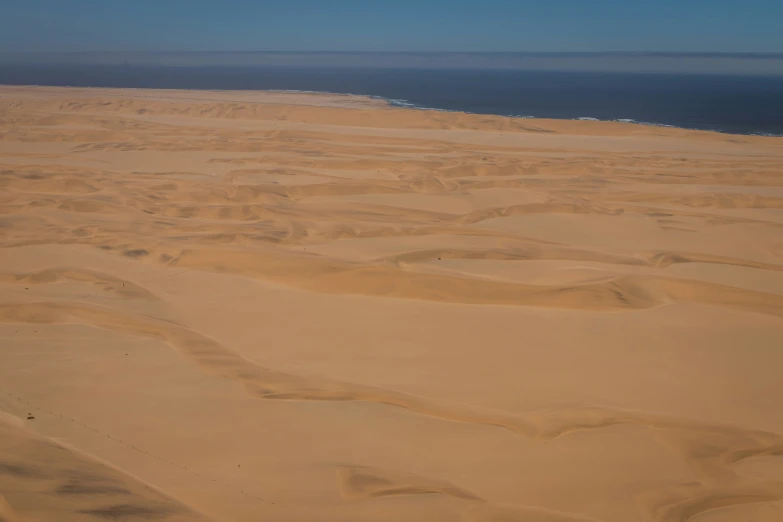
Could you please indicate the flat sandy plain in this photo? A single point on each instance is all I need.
(293, 307)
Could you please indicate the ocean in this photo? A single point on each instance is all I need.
(724, 103)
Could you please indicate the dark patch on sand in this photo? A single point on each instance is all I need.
(139, 252)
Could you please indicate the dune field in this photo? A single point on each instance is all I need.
(252, 306)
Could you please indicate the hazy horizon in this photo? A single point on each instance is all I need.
(697, 36)
(617, 61)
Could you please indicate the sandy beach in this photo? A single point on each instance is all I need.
(250, 306)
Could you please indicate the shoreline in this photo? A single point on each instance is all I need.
(348, 101)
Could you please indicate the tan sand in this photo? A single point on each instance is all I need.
(238, 306)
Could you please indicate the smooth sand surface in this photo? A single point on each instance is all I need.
(237, 306)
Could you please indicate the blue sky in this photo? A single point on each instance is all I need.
(386, 25)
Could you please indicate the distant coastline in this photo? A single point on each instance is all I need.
(751, 105)
(316, 98)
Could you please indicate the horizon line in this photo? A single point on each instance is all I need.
(700, 54)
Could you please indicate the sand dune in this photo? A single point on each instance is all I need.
(247, 306)
(49, 481)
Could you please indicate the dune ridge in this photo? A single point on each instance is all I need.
(77, 486)
(709, 450)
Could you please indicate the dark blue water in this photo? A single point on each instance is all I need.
(735, 104)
